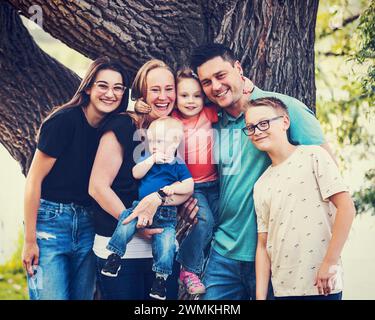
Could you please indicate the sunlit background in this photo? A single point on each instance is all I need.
(337, 78)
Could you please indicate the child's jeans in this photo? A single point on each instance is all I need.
(191, 252)
(163, 244)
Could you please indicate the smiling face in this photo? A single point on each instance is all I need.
(105, 101)
(221, 81)
(160, 92)
(189, 97)
(272, 138)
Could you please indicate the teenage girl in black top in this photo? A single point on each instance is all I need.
(59, 229)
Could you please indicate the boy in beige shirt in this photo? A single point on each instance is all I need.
(300, 237)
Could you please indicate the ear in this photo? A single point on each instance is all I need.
(286, 122)
(238, 67)
(88, 91)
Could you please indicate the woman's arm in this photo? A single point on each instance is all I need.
(40, 167)
(262, 267)
(106, 166)
(147, 207)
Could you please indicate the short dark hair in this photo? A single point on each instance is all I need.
(272, 102)
(209, 51)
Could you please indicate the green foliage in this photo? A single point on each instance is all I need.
(13, 283)
(345, 78)
(365, 198)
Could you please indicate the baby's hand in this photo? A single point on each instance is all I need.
(159, 157)
(169, 190)
(142, 107)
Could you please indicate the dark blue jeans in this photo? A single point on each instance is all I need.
(163, 244)
(335, 296)
(191, 252)
(134, 280)
(65, 235)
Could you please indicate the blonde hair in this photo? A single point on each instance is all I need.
(169, 126)
(139, 89)
(271, 102)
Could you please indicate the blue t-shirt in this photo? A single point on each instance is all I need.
(161, 175)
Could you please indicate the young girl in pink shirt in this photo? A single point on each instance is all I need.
(198, 151)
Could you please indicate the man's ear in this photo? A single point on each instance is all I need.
(237, 66)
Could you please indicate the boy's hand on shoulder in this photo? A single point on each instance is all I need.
(169, 190)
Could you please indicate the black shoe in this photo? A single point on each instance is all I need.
(112, 265)
(158, 290)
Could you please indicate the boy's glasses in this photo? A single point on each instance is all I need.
(103, 87)
(261, 125)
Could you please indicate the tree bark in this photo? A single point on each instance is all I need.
(31, 83)
(274, 39)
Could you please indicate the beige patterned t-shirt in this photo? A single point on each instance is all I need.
(292, 206)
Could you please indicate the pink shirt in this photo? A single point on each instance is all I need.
(198, 143)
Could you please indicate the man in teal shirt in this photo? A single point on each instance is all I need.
(230, 270)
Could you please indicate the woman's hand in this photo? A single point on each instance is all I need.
(145, 211)
(142, 107)
(30, 256)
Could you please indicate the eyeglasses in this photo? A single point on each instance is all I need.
(103, 87)
(261, 125)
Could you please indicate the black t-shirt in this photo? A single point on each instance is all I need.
(124, 184)
(68, 137)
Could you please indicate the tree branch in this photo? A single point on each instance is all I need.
(31, 83)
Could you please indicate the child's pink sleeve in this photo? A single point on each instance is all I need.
(211, 113)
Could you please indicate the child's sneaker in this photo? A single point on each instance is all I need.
(112, 265)
(158, 290)
(191, 282)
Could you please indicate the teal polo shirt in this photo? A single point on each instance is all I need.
(240, 165)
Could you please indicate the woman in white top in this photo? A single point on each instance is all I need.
(114, 188)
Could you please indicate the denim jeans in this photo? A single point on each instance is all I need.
(134, 280)
(66, 270)
(335, 296)
(163, 244)
(191, 252)
(228, 279)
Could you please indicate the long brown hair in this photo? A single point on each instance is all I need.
(82, 99)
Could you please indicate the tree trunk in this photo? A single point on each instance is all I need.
(31, 83)
(274, 41)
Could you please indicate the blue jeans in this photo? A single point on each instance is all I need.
(66, 270)
(228, 279)
(134, 280)
(335, 296)
(191, 252)
(163, 244)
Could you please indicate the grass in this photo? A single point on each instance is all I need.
(13, 283)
